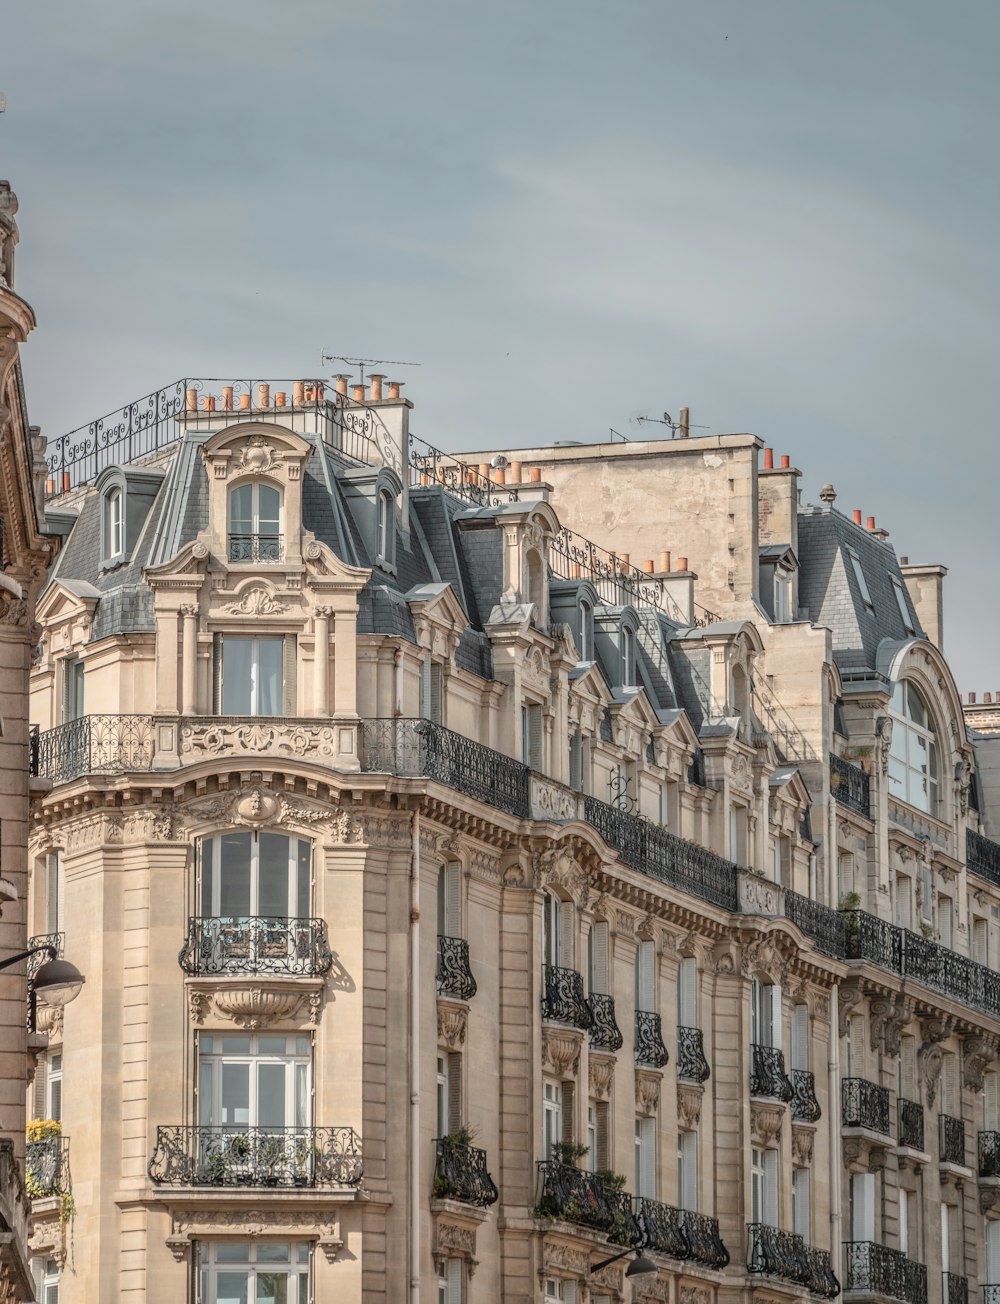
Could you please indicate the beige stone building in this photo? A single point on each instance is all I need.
(465, 906)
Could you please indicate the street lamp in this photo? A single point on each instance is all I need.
(637, 1268)
(57, 981)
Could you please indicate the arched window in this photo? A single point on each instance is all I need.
(535, 592)
(255, 522)
(586, 643)
(114, 523)
(386, 540)
(913, 755)
(628, 656)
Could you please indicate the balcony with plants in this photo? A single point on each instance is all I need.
(595, 1200)
(461, 1173)
(253, 1157)
(46, 1169)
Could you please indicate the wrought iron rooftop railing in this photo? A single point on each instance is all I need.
(46, 1167)
(774, 1252)
(605, 1033)
(480, 486)
(454, 974)
(201, 1155)
(805, 1106)
(989, 1154)
(460, 1173)
(850, 785)
(95, 744)
(562, 998)
(879, 1270)
(952, 1140)
(767, 1073)
(649, 1048)
(864, 1104)
(910, 1124)
(256, 944)
(587, 1199)
(692, 1066)
(982, 856)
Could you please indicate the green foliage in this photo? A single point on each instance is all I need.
(568, 1152)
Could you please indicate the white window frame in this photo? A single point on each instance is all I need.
(910, 780)
(254, 707)
(552, 1116)
(782, 596)
(113, 523)
(586, 616)
(801, 1203)
(256, 518)
(299, 1266)
(764, 1187)
(210, 850)
(859, 575)
(629, 673)
(296, 1064)
(904, 610)
(54, 1085)
(687, 1171)
(645, 1157)
(385, 533)
(451, 1281)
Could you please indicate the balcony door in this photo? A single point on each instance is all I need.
(765, 1013)
(255, 523)
(992, 1252)
(246, 874)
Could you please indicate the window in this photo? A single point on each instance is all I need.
(557, 1289)
(904, 901)
(901, 603)
(862, 1206)
(430, 690)
(908, 1068)
(800, 1036)
(645, 1158)
(531, 736)
(552, 1116)
(991, 1104)
(451, 1277)
(597, 1136)
(586, 630)
(266, 1272)
(54, 892)
(800, 1203)
(856, 1046)
(255, 523)
(386, 540)
(47, 1091)
(687, 1170)
(992, 1251)
(946, 1234)
(254, 676)
(908, 1223)
(738, 834)
(981, 940)
(449, 1093)
(782, 596)
(72, 676)
(536, 590)
(765, 1013)
(245, 874)
(764, 1187)
(113, 524)
(859, 575)
(913, 754)
(45, 1273)
(576, 760)
(254, 1080)
(945, 921)
(628, 657)
(645, 976)
(554, 915)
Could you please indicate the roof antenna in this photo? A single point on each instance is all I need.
(366, 362)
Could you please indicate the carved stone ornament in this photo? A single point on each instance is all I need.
(766, 1123)
(722, 959)
(257, 455)
(601, 1069)
(275, 737)
(187, 1225)
(930, 1056)
(861, 1155)
(889, 1016)
(850, 995)
(256, 602)
(653, 1290)
(646, 929)
(802, 1145)
(558, 1256)
(455, 1238)
(452, 1021)
(561, 1050)
(647, 1092)
(255, 807)
(762, 956)
(49, 1019)
(554, 868)
(883, 728)
(689, 1098)
(989, 1199)
(977, 1052)
(690, 1294)
(257, 1007)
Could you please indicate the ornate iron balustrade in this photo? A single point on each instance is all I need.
(256, 1156)
(910, 1123)
(767, 1073)
(664, 856)
(777, 1253)
(605, 1033)
(991, 1294)
(46, 1167)
(703, 1237)
(982, 856)
(96, 744)
(952, 1140)
(649, 1047)
(460, 1173)
(256, 944)
(563, 999)
(954, 1289)
(822, 1278)
(850, 785)
(571, 1195)
(989, 1156)
(822, 923)
(421, 748)
(878, 1270)
(805, 1106)
(429, 466)
(864, 1104)
(692, 1066)
(661, 1226)
(454, 976)
(256, 547)
(56, 941)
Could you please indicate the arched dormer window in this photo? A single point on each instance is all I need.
(913, 756)
(536, 591)
(628, 657)
(255, 522)
(113, 524)
(385, 541)
(586, 619)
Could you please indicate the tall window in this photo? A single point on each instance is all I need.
(800, 1203)
(765, 1013)
(597, 1136)
(113, 524)
(552, 1116)
(268, 1272)
(687, 993)
(449, 1093)
(645, 976)
(913, 755)
(577, 751)
(451, 1276)
(386, 535)
(255, 522)
(782, 596)
(46, 1277)
(800, 1036)
(54, 892)
(645, 1158)
(764, 1187)
(431, 677)
(557, 931)
(586, 644)
(628, 657)
(254, 676)
(245, 874)
(72, 695)
(531, 736)
(862, 1206)
(254, 1081)
(687, 1170)
(450, 900)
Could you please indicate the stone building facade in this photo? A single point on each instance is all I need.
(464, 905)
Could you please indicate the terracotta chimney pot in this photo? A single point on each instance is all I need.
(648, 567)
(211, 402)
(484, 470)
(358, 393)
(535, 475)
(298, 393)
(870, 525)
(972, 699)
(191, 400)
(987, 697)
(682, 563)
(244, 402)
(65, 482)
(341, 382)
(50, 488)
(227, 398)
(394, 388)
(664, 561)
(279, 398)
(857, 516)
(376, 380)
(623, 562)
(768, 459)
(264, 396)
(786, 462)
(515, 472)
(501, 475)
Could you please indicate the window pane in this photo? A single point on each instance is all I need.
(270, 654)
(301, 1095)
(272, 1288)
(302, 882)
(207, 871)
(235, 1094)
(234, 893)
(272, 886)
(241, 509)
(225, 1253)
(271, 1095)
(231, 1288)
(273, 1253)
(269, 509)
(237, 672)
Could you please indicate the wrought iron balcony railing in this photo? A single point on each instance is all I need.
(662, 1228)
(588, 1199)
(982, 856)
(910, 1123)
(878, 1270)
(989, 1156)
(34, 962)
(864, 1104)
(46, 1166)
(563, 999)
(256, 944)
(454, 976)
(94, 744)
(420, 748)
(460, 1173)
(702, 1233)
(605, 1033)
(649, 1048)
(952, 1140)
(954, 1289)
(805, 1106)
(821, 923)
(777, 1253)
(256, 547)
(822, 1278)
(767, 1073)
(850, 785)
(991, 1294)
(692, 1066)
(256, 1156)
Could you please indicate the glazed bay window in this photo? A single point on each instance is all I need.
(255, 523)
(253, 676)
(254, 1272)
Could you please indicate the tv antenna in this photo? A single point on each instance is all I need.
(683, 425)
(366, 362)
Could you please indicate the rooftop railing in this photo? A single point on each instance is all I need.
(850, 785)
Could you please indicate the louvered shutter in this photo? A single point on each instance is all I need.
(603, 1156)
(645, 960)
(54, 1103)
(576, 761)
(567, 924)
(452, 877)
(454, 1276)
(568, 1112)
(39, 1093)
(908, 1069)
(435, 692)
(774, 991)
(992, 1250)
(217, 674)
(425, 687)
(53, 905)
(856, 1046)
(800, 1036)
(990, 1105)
(454, 1091)
(687, 984)
(950, 1091)
(569, 1292)
(771, 1187)
(535, 737)
(289, 669)
(36, 1276)
(599, 956)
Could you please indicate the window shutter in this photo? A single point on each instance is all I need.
(535, 736)
(990, 1105)
(687, 988)
(856, 1046)
(289, 669)
(567, 925)
(217, 674)
(800, 1036)
(452, 900)
(992, 1250)
(38, 1101)
(645, 962)
(908, 1069)
(951, 1099)
(576, 761)
(454, 1277)
(67, 686)
(771, 1187)
(53, 906)
(862, 1206)
(599, 956)
(800, 1202)
(454, 1090)
(775, 993)
(569, 1292)
(425, 687)
(603, 1157)
(687, 1185)
(568, 1100)
(54, 1071)
(436, 692)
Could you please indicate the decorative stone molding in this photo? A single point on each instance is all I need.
(601, 1069)
(260, 737)
(850, 995)
(452, 1021)
(802, 1145)
(889, 1016)
(49, 1019)
(763, 956)
(455, 1227)
(689, 1098)
(930, 1056)
(256, 601)
(883, 730)
(551, 801)
(989, 1199)
(255, 807)
(559, 1256)
(486, 866)
(766, 1122)
(561, 1050)
(862, 1155)
(654, 1290)
(254, 1002)
(722, 958)
(759, 896)
(689, 1294)
(647, 1092)
(977, 1052)
(555, 868)
(646, 929)
(256, 1007)
(187, 1225)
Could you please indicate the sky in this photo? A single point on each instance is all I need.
(782, 214)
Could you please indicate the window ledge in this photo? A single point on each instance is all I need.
(914, 1156)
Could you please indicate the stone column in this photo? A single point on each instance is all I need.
(345, 688)
(166, 661)
(321, 660)
(189, 659)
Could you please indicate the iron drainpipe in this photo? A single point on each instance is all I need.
(836, 1170)
(415, 1062)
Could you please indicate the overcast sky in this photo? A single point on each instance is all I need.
(781, 213)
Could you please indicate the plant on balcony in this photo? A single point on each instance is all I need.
(460, 1139)
(42, 1129)
(616, 1181)
(568, 1152)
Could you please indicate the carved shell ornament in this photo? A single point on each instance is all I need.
(256, 602)
(257, 455)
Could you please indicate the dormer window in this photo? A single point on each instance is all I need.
(901, 603)
(113, 524)
(628, 657)
(255, 522)
(859, 575)
(386, 537)
(586, 643)
(782, 596)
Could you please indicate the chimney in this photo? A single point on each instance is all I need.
(358, 393)
(786, 462)
(341, 383)
(191, 400)
(227, 398)
(925, 585)
(972, 699)
(857, 516)
(376, 381)
(768, 459)
(870, 525)
(394, 386)
(263, 396)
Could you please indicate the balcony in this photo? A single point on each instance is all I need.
(952, 1140)
(823, 924)
(864, 1104)
(767, 1074)
(460, 1173)
(989, 1156)
(563, 1000)
(703, 1237)
(692, 1066)
(680, 1233)
(256, 547)
(876, 1270)
(805, 1106)
(991, 1294)
(588, 1199)
(46, 1161)
(910, 1124)
(93, 744)
(775, 1253)
(850, 786)
(649, 1048)
(982, 856)
(454, 976)
(258, 944)
(954, 1289)
(605, 1033)
(312, 1157)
